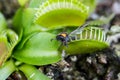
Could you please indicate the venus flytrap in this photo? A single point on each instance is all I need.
(32, 73)
(89, 38)
(7, 69)
(8, 40)
(39, 50)
(3, 23)
(90, 3)
(60, 13)
(22, 2)
(36, 3)
(23, 23)
(86, 40)
(35, 49)
(35, 46)
(22, 20)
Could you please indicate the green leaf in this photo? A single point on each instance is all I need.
(22, 2)
(61, 13)
(17, 23)
(85, 46)
(32, 73)
(57, 31)
(88, 40)
(6, 70)
(38, 49)
(3, 23)
(36, 3)
(8, 40)
(23, 22)
(90, 3)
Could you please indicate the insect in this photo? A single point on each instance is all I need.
(65, 38)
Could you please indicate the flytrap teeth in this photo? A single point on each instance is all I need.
(89, 33)
(59, 4)
(12, 38)
(52, 5)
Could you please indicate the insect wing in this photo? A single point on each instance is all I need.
(78, 31)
